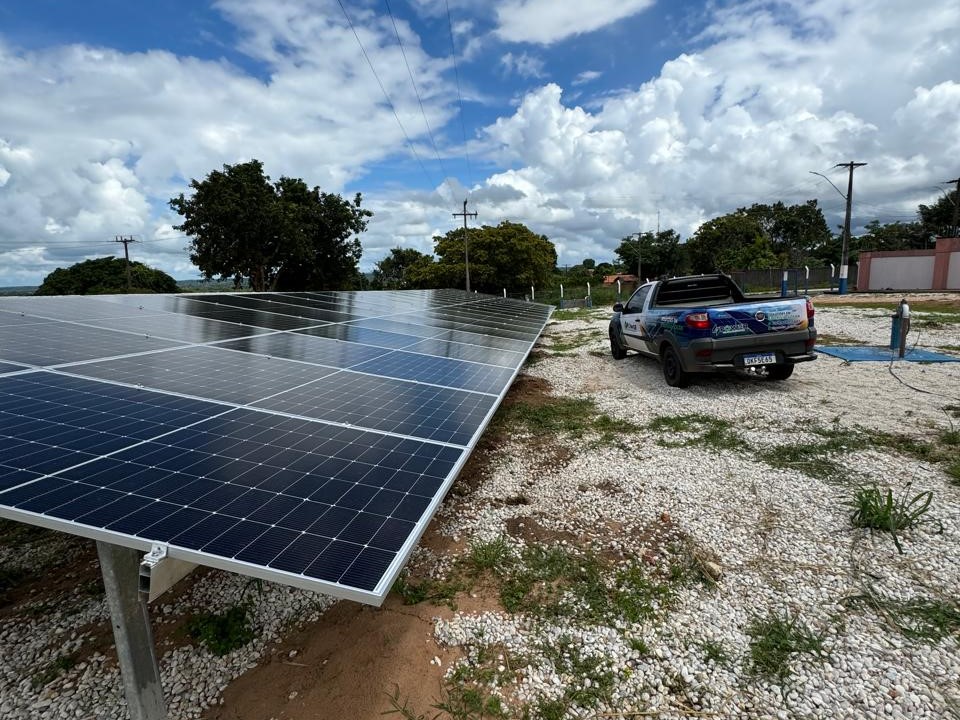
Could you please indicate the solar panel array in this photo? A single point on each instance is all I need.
(306, 438)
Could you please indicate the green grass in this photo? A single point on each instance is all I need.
(224, 632)
(572, 416)
(878, 510)
(715, 652)
(437, 592)
(569, 659)
(775, 640)
(578, 340)
(706, 430)
(918, 618)
(953, 472)
(490, 555)
(52, 671)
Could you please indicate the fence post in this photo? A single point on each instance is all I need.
(831, 276)
(589, 297)
(561, 296)
(533, 295)
(783, 283)
(618, 288)
(806, 279)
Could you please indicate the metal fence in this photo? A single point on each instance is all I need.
(798, 282)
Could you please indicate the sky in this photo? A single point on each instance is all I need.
(586, 121)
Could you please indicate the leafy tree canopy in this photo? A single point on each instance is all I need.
(280, 236)
(655, 254)
(894, 236)
(509, 256)
(401, 269)
(106, 275)
(938, 219)
(730, 242)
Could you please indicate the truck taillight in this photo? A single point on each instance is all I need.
(810, 310)
(698, 321)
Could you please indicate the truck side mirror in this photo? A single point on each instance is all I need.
(618, 307)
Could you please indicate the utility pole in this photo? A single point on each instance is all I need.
(466, 240)
(842, 288)
(955, 227)
(126, 253)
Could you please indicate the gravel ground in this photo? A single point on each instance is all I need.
(781, 536)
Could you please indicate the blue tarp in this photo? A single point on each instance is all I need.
(862, 353)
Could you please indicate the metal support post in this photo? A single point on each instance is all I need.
(130, 618)
(783, 283)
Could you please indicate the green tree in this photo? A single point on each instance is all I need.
(106, 275)
(794, 231)
(730, 242)
(659, 253)
(281, 235)
(894, 236)
(589, 263)
(401, 269)
(509, 256)
(937, 219)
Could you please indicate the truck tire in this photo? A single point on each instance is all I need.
(779, 372)
(618, 351)
(673, 371)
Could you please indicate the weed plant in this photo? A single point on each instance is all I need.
(878, 510)
(917, 619)
(774, 640)
(224, 632)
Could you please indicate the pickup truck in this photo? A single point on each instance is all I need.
(703, 323)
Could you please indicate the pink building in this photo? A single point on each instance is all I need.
(934, 269)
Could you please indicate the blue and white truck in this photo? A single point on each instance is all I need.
(704, 323)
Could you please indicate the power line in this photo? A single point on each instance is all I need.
(393, 108)
(416, 90)
(456, 74)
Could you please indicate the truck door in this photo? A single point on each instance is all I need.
(631, 319)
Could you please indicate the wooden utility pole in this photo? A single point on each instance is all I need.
(466, 239)
(845, 248)
(126, 254)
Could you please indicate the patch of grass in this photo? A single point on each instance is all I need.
(708, 431)
(774, 640)
(879, 510)
(469, 703)
(953, 471)
(566, 343)
(555, 582)
(571, 314)
(491, 555)
(639, 644)
(573, 416)
(594, 680)
(917, 619)
(223, 632)
(715, 652)
(52, 671)
(438, 592)
(818, 459)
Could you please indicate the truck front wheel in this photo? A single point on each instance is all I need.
(618, 351)
(673, 371)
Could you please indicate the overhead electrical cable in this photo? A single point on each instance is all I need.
(386, 95)
(456, 74)
(416, 90)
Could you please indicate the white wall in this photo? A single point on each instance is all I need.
(953, 272)
(904, 273)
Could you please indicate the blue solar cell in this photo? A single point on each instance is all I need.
(256, 445)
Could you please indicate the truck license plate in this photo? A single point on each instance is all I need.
(760, 359)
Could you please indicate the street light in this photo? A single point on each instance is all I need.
(842, 284)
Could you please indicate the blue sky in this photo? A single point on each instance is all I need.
(585, 121)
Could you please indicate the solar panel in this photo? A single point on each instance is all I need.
(305, 438)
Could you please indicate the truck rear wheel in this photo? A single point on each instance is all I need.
(673, 371)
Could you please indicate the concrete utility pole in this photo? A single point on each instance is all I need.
(126, 253)
(466, 240)
(846, 226)
(955, 227)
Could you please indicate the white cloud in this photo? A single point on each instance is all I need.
(524, 65)
(546, 21)
(585, 77)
